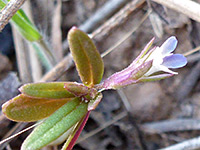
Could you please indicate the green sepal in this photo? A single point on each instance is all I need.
(56, 125)
(95, 102)
(27, 109)
(155, 77)
(77, 89)
(53, 90)
(86, 57)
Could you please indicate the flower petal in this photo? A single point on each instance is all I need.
(169, 45)
(174, 61)
(158, 68)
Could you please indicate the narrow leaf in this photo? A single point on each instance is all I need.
(56, 125)
(53, 90)
(86, 57)
(27, 109)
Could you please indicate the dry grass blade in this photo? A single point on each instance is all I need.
(56, 35)
(35, 65)
(190, 52)
(13, 136)
(22, 57)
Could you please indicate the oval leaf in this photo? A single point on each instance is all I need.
(86, 57)
(27, 109)
(56, 125)
(54, 90)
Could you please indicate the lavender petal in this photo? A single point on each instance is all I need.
(174, 61)
(169, 45)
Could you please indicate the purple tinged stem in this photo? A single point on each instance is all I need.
(78, 132)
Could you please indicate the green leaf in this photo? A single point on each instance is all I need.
(27, 109)
(86, 57)
(56, 125)
(53, 90)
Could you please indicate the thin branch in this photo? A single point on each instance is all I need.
(58, 70)
(171, 126)
(117, 19)
(186, 145)
(186, 7)
(8, 11)
(190, 52)
(101, 14)
(56, 32)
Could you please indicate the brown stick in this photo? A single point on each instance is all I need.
(58, 70)
(8, 11)
(56, 33)
(171, 126)
(190, 144)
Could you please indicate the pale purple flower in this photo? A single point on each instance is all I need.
(148, 66)
(164, 59)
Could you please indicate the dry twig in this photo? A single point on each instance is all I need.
(171, 126)
(56, 33)
(186, 7)
(186, 145)
(8, 11)
(35, 65)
